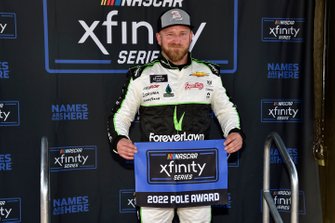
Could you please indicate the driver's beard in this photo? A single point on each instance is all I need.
(174, 54)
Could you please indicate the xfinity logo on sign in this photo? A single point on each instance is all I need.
(282, 29)
(283, 201)
(8, 25)
(124, 35)
(281, 110)
(182, 166)
(9, 113)
(10, 209)
(73, 158)
(127, 203)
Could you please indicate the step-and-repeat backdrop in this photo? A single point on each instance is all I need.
(62, 67)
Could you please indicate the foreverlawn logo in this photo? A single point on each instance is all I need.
(178, 124)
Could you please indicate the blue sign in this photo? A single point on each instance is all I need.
(179, 174)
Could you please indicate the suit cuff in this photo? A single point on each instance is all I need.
(115, 142)
(239, 131)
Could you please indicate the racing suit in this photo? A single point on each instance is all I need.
(175, 103)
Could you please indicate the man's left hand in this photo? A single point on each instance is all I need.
(233, 142)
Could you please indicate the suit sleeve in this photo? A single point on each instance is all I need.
(123, 113)
(225, 110)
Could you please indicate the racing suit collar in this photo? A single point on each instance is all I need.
(168, 64)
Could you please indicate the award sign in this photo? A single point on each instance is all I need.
(181, 174)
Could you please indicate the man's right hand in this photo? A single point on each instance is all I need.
(126, 149)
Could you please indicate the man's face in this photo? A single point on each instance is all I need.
(175, 42)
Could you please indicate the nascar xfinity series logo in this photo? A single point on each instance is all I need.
(182, 166)
(117, 34)
(144, 3)
(282, 30)
(73, 158)
(283, 201)
(9, 113)
(285, 110)
(8, 25)
(127, 203)
(10, 209)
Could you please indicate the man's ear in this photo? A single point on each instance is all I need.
(158, 38)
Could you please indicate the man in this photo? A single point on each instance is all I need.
(175, 95)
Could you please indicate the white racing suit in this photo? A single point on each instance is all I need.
(175, 103)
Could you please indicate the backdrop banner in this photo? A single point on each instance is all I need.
(62, 67)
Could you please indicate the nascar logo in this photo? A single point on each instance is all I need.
(145, 3)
